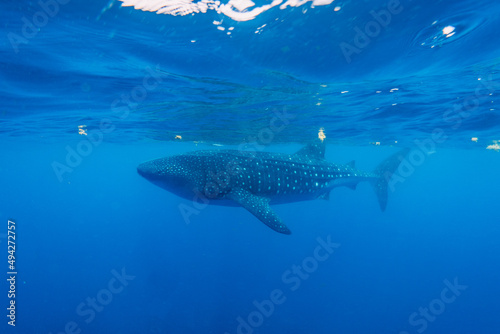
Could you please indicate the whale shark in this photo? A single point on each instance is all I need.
(257, 180)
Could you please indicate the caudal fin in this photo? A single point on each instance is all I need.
(384, 172)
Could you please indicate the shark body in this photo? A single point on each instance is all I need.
(255, 180)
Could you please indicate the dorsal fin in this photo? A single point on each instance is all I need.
(313, 151)
(352, 164)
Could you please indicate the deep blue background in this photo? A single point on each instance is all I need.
(441, 223)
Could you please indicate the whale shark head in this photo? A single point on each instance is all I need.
(178, 174)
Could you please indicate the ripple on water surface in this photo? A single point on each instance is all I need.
(448, 30)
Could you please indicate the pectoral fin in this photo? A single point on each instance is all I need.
(259, 207)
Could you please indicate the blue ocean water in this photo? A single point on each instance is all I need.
(91, 89)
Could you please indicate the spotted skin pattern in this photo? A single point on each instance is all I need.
(255, 180)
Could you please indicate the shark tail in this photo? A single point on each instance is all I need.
(384, 173)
